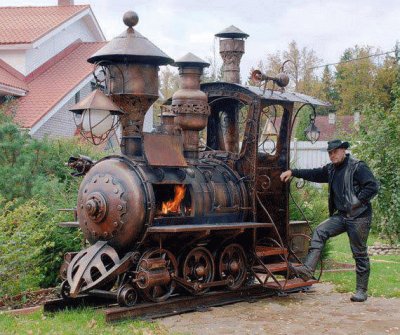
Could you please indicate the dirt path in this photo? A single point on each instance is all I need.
(320, 311)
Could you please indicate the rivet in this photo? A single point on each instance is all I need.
(105, 234)
(119, 207)
(115, 190)
(107, 180)
(115, 224)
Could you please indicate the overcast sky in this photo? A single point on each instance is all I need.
(181, 26)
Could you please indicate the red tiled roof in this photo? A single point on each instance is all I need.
(11, 77)
(344, 125)
(30, 23)
(51, 86)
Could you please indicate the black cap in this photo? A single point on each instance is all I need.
(335, 144)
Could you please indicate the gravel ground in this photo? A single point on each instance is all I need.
(319, 311)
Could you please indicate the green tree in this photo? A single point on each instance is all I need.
(300, 67)
(328, 92)
(361, 80)
(377, 143)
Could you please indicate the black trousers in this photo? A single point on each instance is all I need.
(357, 229)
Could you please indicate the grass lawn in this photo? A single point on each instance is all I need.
(385, 270)
(85, 322)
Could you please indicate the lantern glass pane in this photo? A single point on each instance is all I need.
(97, 121)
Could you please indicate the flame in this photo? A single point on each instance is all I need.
(174, 205)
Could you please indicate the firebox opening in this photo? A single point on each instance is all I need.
(173, 200)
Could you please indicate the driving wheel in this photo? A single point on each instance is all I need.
(198, 268)
(162, 292)
(232, 265)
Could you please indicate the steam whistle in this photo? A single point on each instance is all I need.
(282, 79)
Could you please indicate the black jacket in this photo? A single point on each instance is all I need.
(359, 185)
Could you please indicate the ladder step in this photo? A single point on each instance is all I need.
(275, 267)
(262, 251)
(290, 284)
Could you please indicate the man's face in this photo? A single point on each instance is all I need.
(337, 156)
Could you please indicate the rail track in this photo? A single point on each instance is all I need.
(174, 305)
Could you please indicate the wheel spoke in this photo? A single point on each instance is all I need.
(199, 267)
(160, 292)
(233, 253)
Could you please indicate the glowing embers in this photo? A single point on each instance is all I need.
(172, 200)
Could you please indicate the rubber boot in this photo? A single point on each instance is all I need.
(301, 271)
(361, 289)
(306, 271)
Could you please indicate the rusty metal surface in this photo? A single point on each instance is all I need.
(232, 32)
(231, 51)
(93, 266)
(287, 96)
(163, 150)
(189, 104)
(191, 60)
(106, 210)
(131, 46)
(205, 227)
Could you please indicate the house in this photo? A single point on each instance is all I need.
(43, 53)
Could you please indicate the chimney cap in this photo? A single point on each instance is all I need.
(131, 46)
(191, 60)
(232, 32)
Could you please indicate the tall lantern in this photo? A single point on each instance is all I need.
(96, 117)
(131, 63)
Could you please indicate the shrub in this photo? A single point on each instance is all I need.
(313, 202)
(34, 184)
(31, 246)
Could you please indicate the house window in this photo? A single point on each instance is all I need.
(77, 96)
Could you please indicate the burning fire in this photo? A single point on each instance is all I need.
(173, 206)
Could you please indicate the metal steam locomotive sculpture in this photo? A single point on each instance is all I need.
(170, 215)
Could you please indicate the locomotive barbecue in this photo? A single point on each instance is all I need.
(197, 205)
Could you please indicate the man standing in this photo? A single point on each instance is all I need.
(351, 187)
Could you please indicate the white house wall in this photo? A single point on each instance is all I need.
(15, 58)
(39, 55)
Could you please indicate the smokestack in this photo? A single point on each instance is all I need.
(65, 2)
(231, 48)
(332, 117)
(357, 120)
(189, 103)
